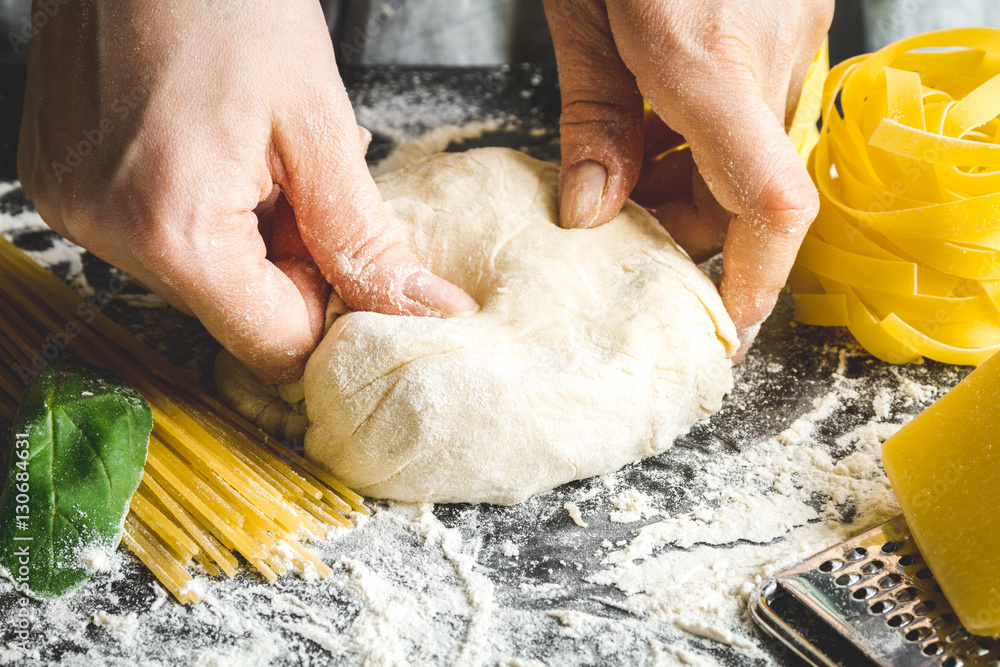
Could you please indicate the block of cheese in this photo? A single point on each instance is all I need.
(945, 469)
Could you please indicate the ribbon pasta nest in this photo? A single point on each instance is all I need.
(905, 251)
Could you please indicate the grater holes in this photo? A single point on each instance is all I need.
(831, 565)
(882, 607)
(864, 593)
(906, 594)
(890, 580)
(933, 648)
(924, 573)
(906, 560)
(924, 608)
(873, 567)
(900, 620)
(952, 661)
(856, 553)
(848, 579)
(889, 547)
(918, 634)
(978, 650)
(943, 620)
(960, 634)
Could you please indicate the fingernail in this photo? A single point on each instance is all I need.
(583, 191)
(366, 138)
(438, 295)
(748, 335)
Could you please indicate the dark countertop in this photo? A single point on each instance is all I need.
(787, 371)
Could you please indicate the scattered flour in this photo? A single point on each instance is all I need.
(125, 623)
(913, 390)
(95, 558)
(571, 618)
(632, 505)
(420, 585)
(574, 513)
(882, 404)
(774, 504)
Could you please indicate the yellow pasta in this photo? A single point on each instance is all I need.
(905, 251)
(214, 484)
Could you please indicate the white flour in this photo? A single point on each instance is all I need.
(632, 505)
(574, 513)
(659, 573)
(411, 588)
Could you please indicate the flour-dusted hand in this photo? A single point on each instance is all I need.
(154, 134)
(725, 75)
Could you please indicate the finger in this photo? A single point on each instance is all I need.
(698, 223)
(312, 287)
(601, 121)
(248, 304)
(366, 138)
(288, 252)
(343, 221)
(666, 179)
(751, 167)
(809, 45)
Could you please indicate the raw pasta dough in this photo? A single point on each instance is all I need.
(593, 349)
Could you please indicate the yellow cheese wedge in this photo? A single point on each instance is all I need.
(945, 469)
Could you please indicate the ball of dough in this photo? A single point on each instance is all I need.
(594, 348)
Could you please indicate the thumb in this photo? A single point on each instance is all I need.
(601, 122)
(343, 222)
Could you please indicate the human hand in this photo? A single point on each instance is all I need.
(154, 134)
(722, 75)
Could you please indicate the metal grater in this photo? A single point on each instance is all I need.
(869, 601)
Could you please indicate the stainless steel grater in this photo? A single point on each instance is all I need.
(869, 601)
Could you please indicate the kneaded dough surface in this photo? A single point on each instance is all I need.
(594, 348)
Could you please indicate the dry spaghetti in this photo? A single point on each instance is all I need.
(213, 485)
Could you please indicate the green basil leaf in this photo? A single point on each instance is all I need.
(78, 447)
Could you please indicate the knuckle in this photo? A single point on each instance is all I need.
(381, 248)
(601, 119)
(155, 222)
(789, 205)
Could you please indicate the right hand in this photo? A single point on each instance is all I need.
(723, 76)
(154, 133)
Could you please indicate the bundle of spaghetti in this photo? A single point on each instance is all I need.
(213, 485)
(905, 251)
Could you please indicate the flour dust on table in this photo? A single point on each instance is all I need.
(659, 576)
